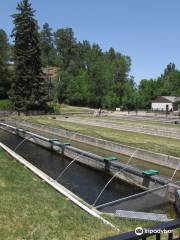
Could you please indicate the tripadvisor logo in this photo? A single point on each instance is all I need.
(139, 231)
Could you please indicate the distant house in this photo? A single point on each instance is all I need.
(166, 103)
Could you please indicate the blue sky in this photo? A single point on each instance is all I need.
(146, 30)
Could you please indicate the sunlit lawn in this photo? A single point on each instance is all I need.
(31, 209)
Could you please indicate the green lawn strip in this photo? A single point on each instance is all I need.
(5, 105)
(152, 143)
(143, 165)
(137, 122)
(31, 209)
(68, 109)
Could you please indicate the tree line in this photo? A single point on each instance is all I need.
(87, 75)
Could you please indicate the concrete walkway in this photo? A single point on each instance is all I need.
(142, 216)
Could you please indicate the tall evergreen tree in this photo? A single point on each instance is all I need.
(168, 70)
(28, 91)
(47, 46)
(4, 57)
(66, 47)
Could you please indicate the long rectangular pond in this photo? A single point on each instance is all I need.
(84, 181)
(80, 179)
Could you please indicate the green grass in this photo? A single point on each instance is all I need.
(30, 209)
(72, 109)
(137, 122)
(67, 109)
(5, 104)
(157, 144)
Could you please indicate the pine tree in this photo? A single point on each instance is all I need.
(47, 46)
(28, 90)
(4, 57)
(66, 47)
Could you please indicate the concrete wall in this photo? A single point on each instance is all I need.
(125, 173)
(152, 157)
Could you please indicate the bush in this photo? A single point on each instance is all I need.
(5, 105)
(54, 108)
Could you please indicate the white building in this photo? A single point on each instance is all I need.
(166, 103)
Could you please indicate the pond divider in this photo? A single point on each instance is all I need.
(123, 171)
(142, 154)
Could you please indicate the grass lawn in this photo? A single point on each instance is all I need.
(137, 122)
(31, 209)
(5, 105)
(71, 109)
(158, 144)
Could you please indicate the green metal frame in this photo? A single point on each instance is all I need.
(66, 144)
(110, 158)
(150, 172)
(20, 130)
(53, 140)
